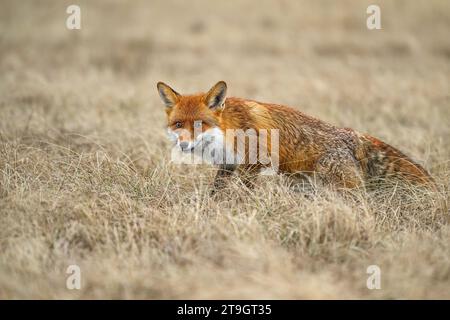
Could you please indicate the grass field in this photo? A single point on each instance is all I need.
(85, 176)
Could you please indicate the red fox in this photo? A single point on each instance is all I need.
(342, 157)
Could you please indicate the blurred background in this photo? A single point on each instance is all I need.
(83, 152)
(317, 55)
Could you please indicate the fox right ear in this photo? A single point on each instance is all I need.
(169, 96)
(215, 97)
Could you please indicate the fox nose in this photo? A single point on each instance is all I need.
(184, 145)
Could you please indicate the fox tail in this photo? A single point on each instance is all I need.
(381, 160)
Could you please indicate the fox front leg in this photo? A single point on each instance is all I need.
(223, 174)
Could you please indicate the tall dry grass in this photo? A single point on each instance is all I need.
(85, 176)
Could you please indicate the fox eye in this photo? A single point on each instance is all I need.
(178, 124)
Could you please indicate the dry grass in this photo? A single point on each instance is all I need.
(84, 170)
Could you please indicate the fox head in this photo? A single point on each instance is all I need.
(193, 121)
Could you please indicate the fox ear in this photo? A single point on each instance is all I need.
(169, 96)
(215, 97)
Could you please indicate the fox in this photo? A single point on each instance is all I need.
(307, 147)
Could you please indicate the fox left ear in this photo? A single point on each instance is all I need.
(215, 98)
(169, 96)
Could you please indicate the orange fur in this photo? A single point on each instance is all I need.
(308, 146)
